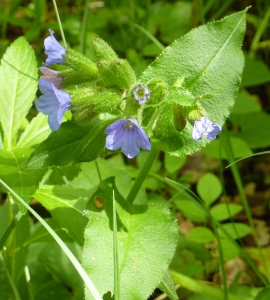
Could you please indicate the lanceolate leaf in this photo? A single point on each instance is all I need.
(210, 61)
(18, 77)
(143, 259)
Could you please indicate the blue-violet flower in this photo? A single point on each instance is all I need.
(53, 102)
(51, 76)
(141, 94)
(127, 135)
(54, 50)
(205, 127)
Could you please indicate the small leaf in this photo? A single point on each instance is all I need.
(223, 211)
(200, 235)
(235, 230)
(209, 188)
(190, 210)
(173, 163)
(229, 249)
(18, 77)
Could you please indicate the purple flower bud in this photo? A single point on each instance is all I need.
(127, 135)
(141, 94)
(205, 127)
(51, 76)
(53, 102)
(54, 50)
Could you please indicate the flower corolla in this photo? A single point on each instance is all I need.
(141, 94)
(205, 127)
(53, 103)
(127, 135)
(54, 50)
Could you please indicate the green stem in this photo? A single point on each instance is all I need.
(59, 23)
(142, 175)
(200, 288)
(263, 25)
(98, 170)
(239, 184)
(85, 16)
(150, 36)
(115, 254)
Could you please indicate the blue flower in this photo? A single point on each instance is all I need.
(205, 127)
(51, 76)
(54, 50)
(127, 135)
(53, 102)
(141, 94)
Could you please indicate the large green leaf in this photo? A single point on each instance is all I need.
(143, 259)
(18, 77)
(23, 181)
(210, 61)
(66, 205)
(70, 144)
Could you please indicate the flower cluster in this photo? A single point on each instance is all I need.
(53, 102)
(125, 134)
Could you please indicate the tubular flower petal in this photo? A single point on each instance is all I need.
(205, 127)
(53, 102)
(141, 94)
(127, 135)
(54, 50)
(51, 76)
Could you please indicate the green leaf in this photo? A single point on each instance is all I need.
(66, 206)
(200, 235)
(58, 263)
(245, 103)
(220, 211)
(18, 77)
(173, 164)
(23, 181)
(229, 249)
(167, 286)
(213, 69)
(235, 230)
(254, 128)
(209, 188)
(142, 258)
(70, 144)
(190, 210)
(217, 150)
(255, 72)
(35, 133)
(264, 294)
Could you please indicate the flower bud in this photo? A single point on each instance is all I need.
(95, 99)
(82, 115)
(81, 64)
(102, 50)
(159, 91)
(118, 73)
